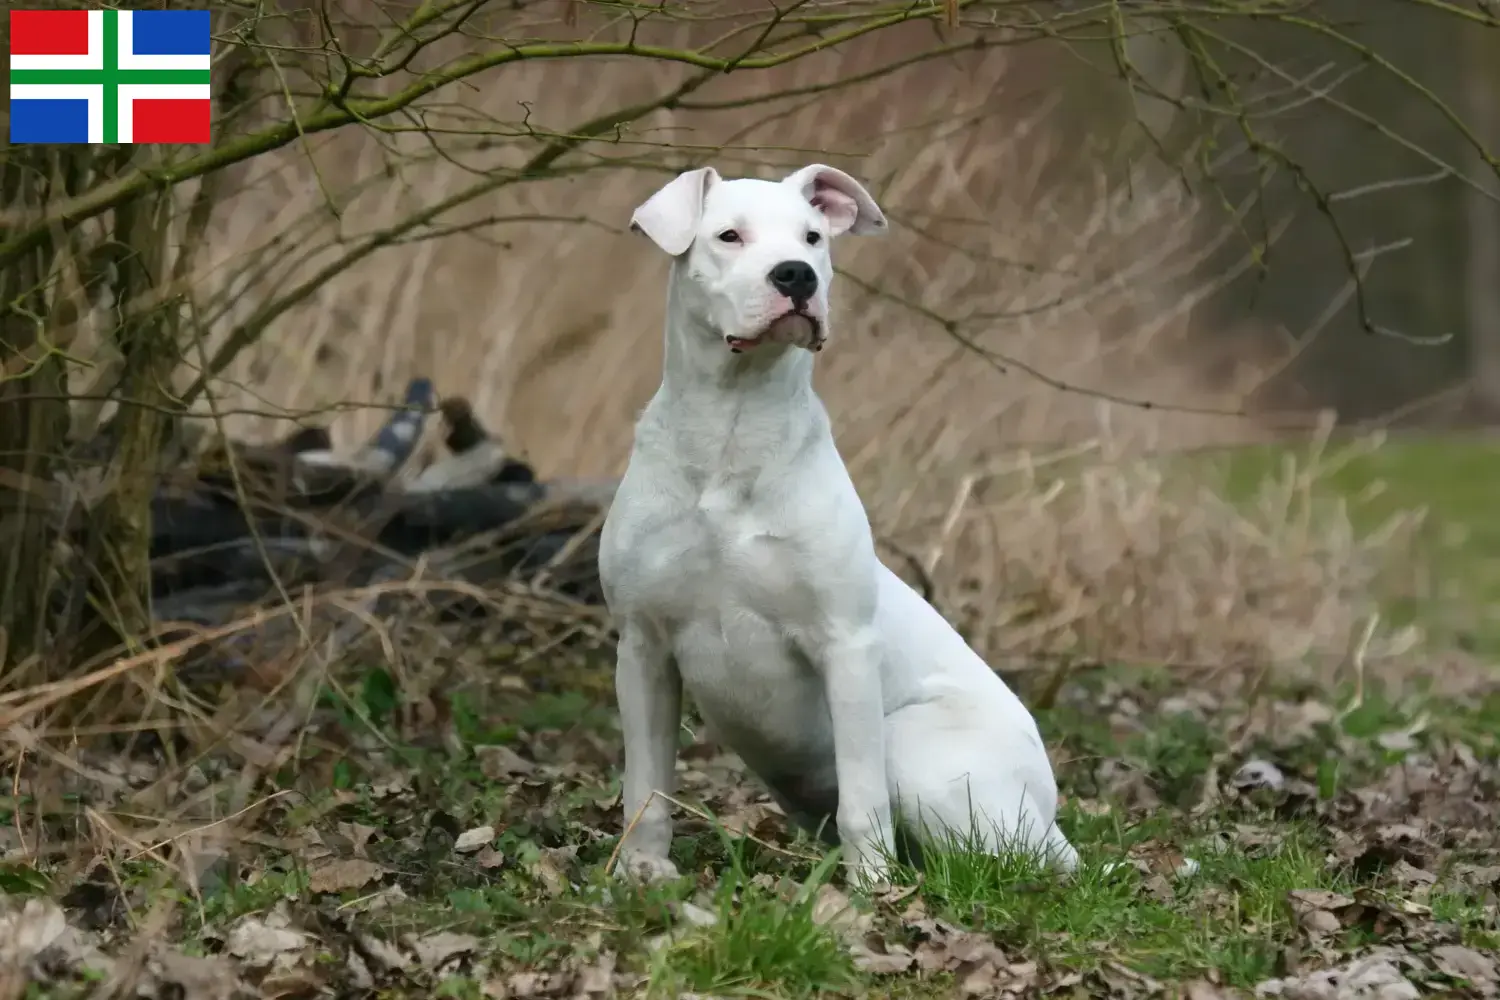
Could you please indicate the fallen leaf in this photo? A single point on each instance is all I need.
(549, 866)
(358, 836)
(383, 955)
(750, 820)
(497, 762)
(1458, 962)
(1315, 909)
(193, 977)
(29, 930)
(1201, 989)
(382, 899)
(260, 942)
(472, 840)
(833, 909)
(359, 972)
(879, 957)
(488, 857)
(696, 915)
(1159, 888)
(393, 784)
(1375, 976)
(1409, 876)
(344, 873)
(596, 979)
(436, 950)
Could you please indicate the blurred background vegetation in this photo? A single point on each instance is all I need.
(1120, 230)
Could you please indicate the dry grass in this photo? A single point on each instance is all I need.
(1007, 234)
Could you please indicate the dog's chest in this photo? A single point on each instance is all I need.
(720, 549)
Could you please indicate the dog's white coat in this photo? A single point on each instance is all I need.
(738, 562)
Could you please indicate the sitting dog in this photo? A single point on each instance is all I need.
(738, 562)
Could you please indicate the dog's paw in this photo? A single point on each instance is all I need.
(646, 868)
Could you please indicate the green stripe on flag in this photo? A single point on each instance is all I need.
(111, 76)
(111, 85)
(119, 76)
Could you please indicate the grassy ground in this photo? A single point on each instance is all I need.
(1323, 831)
(453, 845)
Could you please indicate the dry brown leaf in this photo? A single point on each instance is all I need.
(385, 956)
(596, 979)
(193, 977)
(754, 820)
(1202, 989)
(834, 910)
(29, 929)
(1316, 909)
(1376, 976)
(879, 957)
(1159, 888)
(435, 951)
(259, 942)
(1458, 962)
(549, 868)
(344, 873)
(472, 840)
(498, 761)
(391, 785)
(358, 835)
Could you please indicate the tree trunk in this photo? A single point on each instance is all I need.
(146, 341)
(33, 416)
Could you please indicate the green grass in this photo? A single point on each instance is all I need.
(744, 919)
(1454, 589)
(761, 939)
(756, 933)
(1177, 928)
(1456, 477)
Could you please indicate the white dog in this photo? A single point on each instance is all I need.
(738, 561)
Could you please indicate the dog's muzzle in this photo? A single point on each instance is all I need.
(794, 329)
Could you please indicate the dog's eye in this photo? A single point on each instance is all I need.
(729, 236)
(814, 238)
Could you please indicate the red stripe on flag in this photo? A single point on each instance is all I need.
(170, 120)
(49, 32)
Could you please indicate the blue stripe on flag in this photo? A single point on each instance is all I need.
(170, 32)
(51, 120)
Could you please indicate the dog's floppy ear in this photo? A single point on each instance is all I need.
(671, 216)
(842, 199)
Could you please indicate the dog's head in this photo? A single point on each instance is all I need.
(754, 253)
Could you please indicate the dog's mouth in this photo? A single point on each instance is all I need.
(796, 328)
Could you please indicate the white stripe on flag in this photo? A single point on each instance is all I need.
(132, 92)
(129, 60)
(91, 92)
(94, 59)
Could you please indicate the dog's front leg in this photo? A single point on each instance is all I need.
(851, 675)
(649, 691)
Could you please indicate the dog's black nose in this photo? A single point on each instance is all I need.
(795, 279)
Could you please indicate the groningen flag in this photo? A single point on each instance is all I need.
(109, 76)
